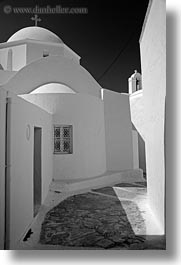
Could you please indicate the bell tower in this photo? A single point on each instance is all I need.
(134, 82)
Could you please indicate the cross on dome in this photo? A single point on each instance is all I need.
(36, 19)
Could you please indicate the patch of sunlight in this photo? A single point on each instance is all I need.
(53, 88)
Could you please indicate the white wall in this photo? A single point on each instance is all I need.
(53, 69)
(153, 63)
(132, 85)
(2, 164)
(4, 57)
(138, 120)
(135, 150)
(86, 114)
(18, 57)
(69, 53)
(118, 131)
(5, 76)
(35, 51)
(24, 54)
(137, 112)
(142, 155)
(21, 198)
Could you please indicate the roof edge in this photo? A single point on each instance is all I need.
(145, 19)
(26, 41)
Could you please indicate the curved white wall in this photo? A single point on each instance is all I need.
(56, 69)
(86, 114)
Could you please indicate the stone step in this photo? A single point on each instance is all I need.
(109, 179)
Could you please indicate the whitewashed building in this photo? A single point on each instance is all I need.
(57, 125)
(148, 108)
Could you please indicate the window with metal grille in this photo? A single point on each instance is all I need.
(63, 142)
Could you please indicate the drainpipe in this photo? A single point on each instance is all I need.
(7, 176)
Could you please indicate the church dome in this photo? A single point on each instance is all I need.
(35, 33)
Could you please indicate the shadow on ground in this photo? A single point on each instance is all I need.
(96, 221)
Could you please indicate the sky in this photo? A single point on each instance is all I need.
(106, 36)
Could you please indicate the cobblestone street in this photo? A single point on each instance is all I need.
(114, 218)
(88, 220)
(95, 220)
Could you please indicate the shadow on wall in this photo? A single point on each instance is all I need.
(142, 156)
(141, 151)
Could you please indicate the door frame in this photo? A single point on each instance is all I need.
(39, 130)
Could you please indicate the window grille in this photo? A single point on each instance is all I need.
(63, 142)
